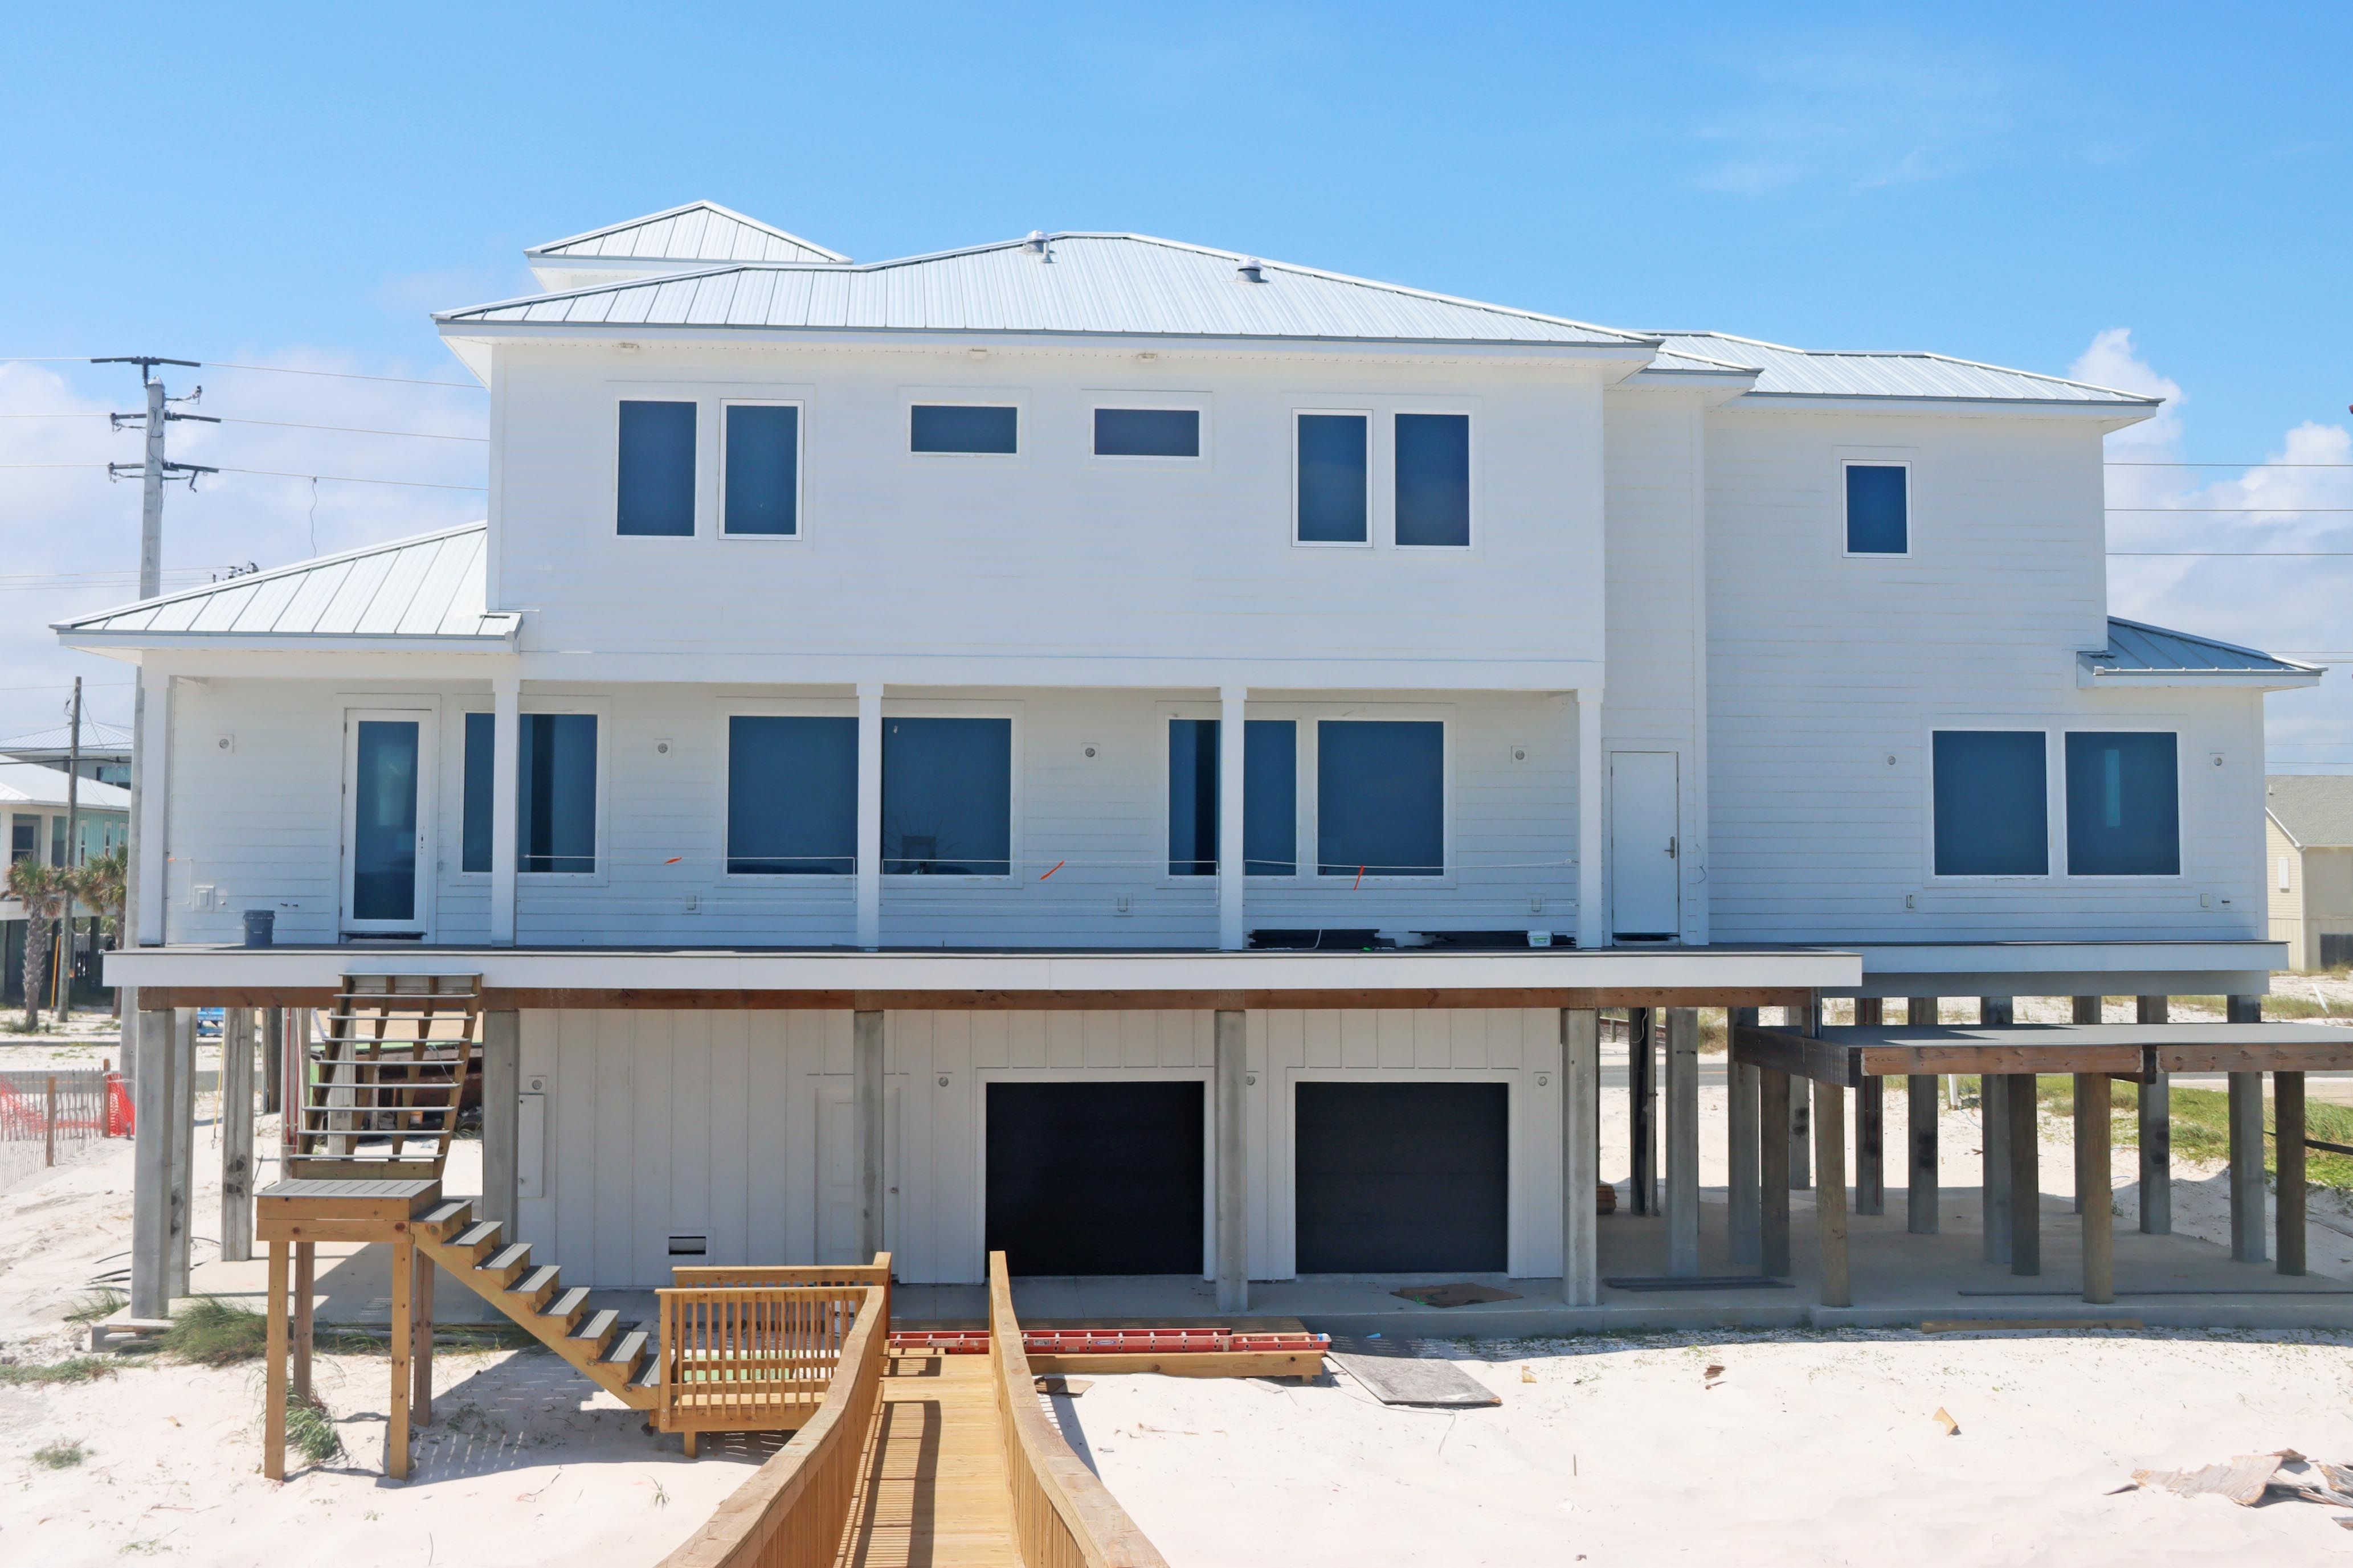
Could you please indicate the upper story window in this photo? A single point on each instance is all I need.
(1878, 509)
(24, 838)
(760, 470)
(1433, 479)
(474, 832)
(656, 470)
(2124, 804)
(985, 429)
(1270, 797)
(1147, 432)
(1334, 479)
(555, 788)
(1380, 797)
(791, 797)
(1991, 803)
(947, 797)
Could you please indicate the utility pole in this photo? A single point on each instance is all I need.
(73, 843)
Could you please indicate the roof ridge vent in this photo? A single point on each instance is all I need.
(1037, 246)
(1249, 270)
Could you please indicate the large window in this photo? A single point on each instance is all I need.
(657, 469)
(791, 797)
(1991, 803)
(762, 470)
(963, 427)
(1878, 509)
(474, 834)
(1147, 432)
(1433, 479)
(947, 797)
(1380, 797)
(555, 783)
(1333, 464)
(1270, 797)
(2124, 804)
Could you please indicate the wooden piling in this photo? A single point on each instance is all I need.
(1740, 1148)
(273, 1418)
(2025, 1176)
(1830, 1193)
(1773, 1160)
(2156, 1133)
(404, 1333)
(2248, 1242)
(2287, 1134)
(2092, 1167)
(1871, 1125)
(306, 1286)
(1921, 1194)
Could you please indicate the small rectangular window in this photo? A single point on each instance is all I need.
(474, 834)
(57, 841)
(1270, 797)
(555, 789)
(1147, 432)
(656, 470)
(761, 465)
(1433, 479)
(962, 428)
(1380, 797)
(1334, 468)
(24, 838)
(1991, 803)
(2124, 805)
(2287, 873)
(791, 797)
(1878, 509)
(947, 797)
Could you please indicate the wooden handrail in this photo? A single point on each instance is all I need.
(1062, 1515)
(792, 1512)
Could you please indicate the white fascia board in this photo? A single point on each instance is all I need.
(1077, 671)
(2108, 416)
(2293, 842)
(2089, 677)
(290, 642)
(830, 970)
(1714, 388)
(2043, 957)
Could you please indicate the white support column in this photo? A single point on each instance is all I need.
(1232, 749)
(870, 814)
(1592, 927)
(154, 795)
(506, 768)
(1580, 1155)
(1232, 1123)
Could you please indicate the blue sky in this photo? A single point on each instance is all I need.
(2005, 183)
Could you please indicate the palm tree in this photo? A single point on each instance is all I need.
(42, 891)
(99, 885)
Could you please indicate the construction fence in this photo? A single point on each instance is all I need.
(47, 1117)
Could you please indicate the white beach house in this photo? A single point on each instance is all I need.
(1138, 756)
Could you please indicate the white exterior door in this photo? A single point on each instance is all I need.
(387, 821)
(1644, 883)
(837, 1174)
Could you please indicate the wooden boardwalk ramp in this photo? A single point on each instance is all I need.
(933, 1488)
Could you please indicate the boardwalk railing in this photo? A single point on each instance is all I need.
(758, 1358)
(792, 1512)
(1064, 1517)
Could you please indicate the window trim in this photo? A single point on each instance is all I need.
(2053, 797)
(1311, 789)
(912, 397)
(734, 707)
(454, 738)
(1198, 402)
(600, 710)
(1471, 524)
(2181, 798)
(1846, 524)
(427, 711)
(1373, 455)
(639, 392)
(1300, 822)
(800, 472)
(916, 708)
(2054, 731)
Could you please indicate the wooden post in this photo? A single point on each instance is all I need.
(237, 1135)
(1871, 1124)
(2091, 1133)
(2156, 1134)
(2246, 1122)
(1830, 1193)
(2086, 1011)
(1231, 1122)
(2287, 1135)
(1773, 1172)
(867, 1099)
(1993, 1125)
(49, 1122)
(273, 1062)
(502, 1115)
(2025, 1176)
(150, 1191)
(1683, 1142)
(1740, 1092)
(1581, 1161)
(404, 1333)
(306, 1290)
(1920, 1192)
(273, 1416)
(1804, 1020)
(420, 1390)
(1641, 1111)
(182, 1188)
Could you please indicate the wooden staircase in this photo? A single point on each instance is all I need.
(619, 1361)
(388, 1077)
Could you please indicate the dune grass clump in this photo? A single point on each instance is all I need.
(60, 1456)
(213, 1332)
(79, 1369)
(98, 1306)
(310, 1430)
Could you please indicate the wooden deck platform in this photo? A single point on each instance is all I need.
(934, 1489)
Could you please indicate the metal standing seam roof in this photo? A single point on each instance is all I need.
(2315, 810)
(1821, 372)
(699, 231)
(2135, 646)
(1086, 283)
(429, 586)
(31, 783)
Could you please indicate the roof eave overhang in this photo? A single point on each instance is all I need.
(2293, 842)
(2107, 416)
(1715, 388)
(2092, 677)
(122, 644)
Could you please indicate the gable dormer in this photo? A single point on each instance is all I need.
(684, 239)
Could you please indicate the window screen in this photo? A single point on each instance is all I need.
(656, 470)
(474, 834)
(791, 797)
(961, 427)
(1992, 810)
(762, 493)
(1380, 797)
(1147, 432)
(1433, 479)
(556, 786)
(1333, 450)
(1270, 797)
(947, 797)
(2124, 805)
(1878, 520)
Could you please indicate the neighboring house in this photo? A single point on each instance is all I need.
(1187, 725)
(2308, 852)
(104, 754)
(33, 805)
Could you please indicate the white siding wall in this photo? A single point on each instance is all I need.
(706, 1123)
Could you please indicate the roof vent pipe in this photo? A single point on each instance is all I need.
(1036, 245)
(1249, 270)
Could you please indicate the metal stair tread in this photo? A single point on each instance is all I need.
(569, 1302)
(508, 1257)
(540, 1278)
(478, 1235)
(627, 1347)
(600, 1325)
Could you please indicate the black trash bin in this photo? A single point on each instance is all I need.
(260, 927)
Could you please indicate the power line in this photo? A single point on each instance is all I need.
(282, 424)
(2246, 554)
(2199, 511)
(2137, 463)
(265, 369)
(277, 474)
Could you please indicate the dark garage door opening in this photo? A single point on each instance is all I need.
(1095, 1178)
(1403, 1177)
